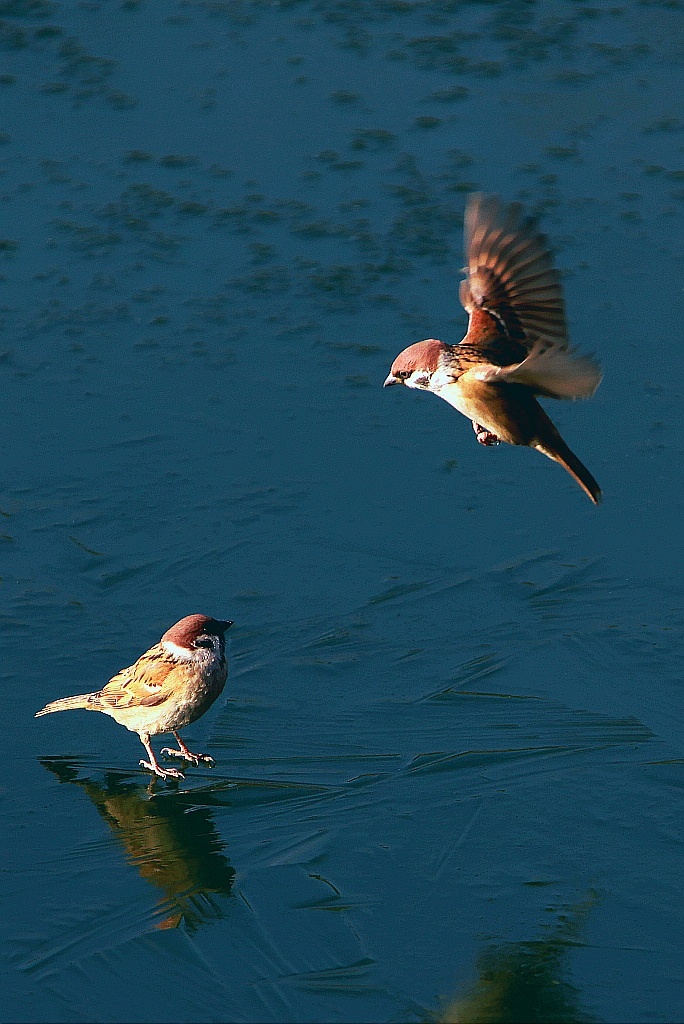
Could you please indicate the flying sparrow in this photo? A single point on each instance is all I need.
(516, 346)
(167, 688)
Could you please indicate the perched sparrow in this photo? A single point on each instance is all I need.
(516, 346)
(167, 688)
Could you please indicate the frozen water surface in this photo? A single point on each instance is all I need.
(451, 753)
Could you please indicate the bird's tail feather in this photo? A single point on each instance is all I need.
(558, 450)
(81, 700)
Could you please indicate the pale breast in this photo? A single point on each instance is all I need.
(471, 401)
(506, 410)
(183, 705)
(198, 698)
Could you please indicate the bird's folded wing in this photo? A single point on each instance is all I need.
(551, 370)
(147, 683)
(510, 271)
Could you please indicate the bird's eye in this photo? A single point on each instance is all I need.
(403, 374)
(203, 641)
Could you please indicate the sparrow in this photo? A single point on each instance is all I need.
(516, 346)
(167, 688)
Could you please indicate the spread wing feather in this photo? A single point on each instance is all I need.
(548, 370)
(512, 285)
(510, 270)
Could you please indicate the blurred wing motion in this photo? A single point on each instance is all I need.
(548, 370)
(513, 295)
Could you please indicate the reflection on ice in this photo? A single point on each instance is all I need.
(526, 981)
(174, 846)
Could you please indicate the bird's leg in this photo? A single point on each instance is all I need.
(153, 765)
(485, 436)
(186, 754)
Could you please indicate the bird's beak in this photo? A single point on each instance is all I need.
(225, 624)
(391, 379)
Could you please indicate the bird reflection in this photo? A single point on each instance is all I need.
(525, 981)
(172, 843)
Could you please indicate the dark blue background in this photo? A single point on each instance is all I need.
(449, 780)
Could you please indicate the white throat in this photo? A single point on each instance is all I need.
(180, 653)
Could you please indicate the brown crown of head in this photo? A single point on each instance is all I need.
(424, 355)
(188, 629)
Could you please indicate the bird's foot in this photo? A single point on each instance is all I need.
(484, 436)
(163, 773)
(188, 756)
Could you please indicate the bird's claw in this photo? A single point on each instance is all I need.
(484, 436)
(163, 773)
(187, 755)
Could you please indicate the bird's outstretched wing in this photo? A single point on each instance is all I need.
(548, 370)
(517, 331)
(510, 270)
(147, 683)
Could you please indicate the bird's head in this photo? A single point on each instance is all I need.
(416, 365)
(197, 633)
